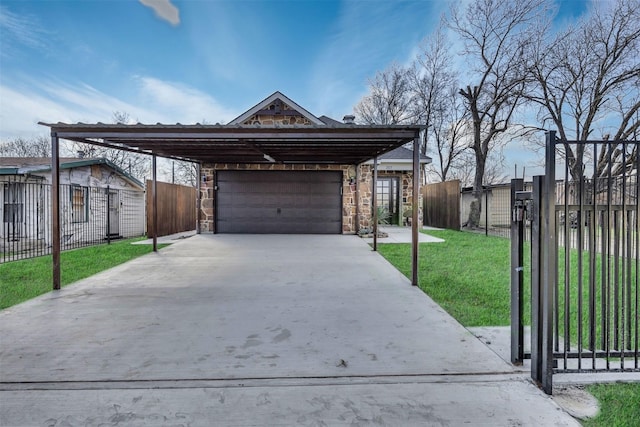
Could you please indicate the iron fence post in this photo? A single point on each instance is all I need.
(536, 348)
(108, 216)
(517, 276)
(486, 211)
(549, 262)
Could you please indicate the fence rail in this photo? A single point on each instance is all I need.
(88, 216)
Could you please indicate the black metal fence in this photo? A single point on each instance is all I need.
(584, 260)
(88, 216)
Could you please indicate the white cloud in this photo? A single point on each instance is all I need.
(23, 30)
(180, 102)
(164, 10)
(23, 105)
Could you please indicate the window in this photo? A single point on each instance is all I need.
(79, 204)
(13, 202)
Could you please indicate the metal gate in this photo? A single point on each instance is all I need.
(584, 242)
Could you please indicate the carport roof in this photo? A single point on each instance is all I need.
(337, 144)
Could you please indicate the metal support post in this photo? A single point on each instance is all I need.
(374, 197)
(415, 210)
(198, 196)
(154, 189)
(55, 211)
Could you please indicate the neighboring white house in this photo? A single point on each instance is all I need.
(97, 199)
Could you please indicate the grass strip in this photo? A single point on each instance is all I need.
(619, 405)
(26, 279)
(467, 274)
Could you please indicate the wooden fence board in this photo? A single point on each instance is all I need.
(442, 205)
(176, 209)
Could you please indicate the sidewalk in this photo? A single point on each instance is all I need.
(397, 234)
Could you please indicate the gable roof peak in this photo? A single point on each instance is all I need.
(266, 106)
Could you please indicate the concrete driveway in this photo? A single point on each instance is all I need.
(254, 330)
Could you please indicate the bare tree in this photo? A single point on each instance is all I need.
(181, 172)
(389, 99)
(429, 78)
(137, 165)
(40, 146)
(588, 78)
(449, 130)
(496, 34)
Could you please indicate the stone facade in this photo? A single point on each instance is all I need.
(357, 185)
(356, 191)
(277, 113)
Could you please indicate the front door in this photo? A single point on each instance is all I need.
(388, 199)
(114, 213)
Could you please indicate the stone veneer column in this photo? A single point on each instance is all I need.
(207, 194)
(366, 180)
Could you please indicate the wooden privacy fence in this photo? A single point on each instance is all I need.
(176, 208)
(442, 205)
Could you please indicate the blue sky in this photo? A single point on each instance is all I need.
(196, 60)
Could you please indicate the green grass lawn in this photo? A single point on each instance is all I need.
(467, 274)
(26, 279)
(619, 405)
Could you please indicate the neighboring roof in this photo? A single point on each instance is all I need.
(265, 103)
(21, 162)
(25, 165)
(329, 121)
(403, 154)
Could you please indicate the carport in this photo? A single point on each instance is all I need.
(336, 144)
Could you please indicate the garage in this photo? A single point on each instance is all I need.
(279, 202)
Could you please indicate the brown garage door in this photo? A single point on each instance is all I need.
(279, 202)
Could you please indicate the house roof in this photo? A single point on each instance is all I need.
(319, 140)
(265, 103)
(26, 165)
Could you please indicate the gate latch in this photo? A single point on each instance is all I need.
(523, 199)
